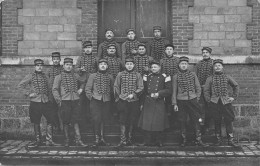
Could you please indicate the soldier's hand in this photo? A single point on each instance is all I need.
(141, 107)
(231, 99)
(146, 68)
(80, 91)
(130, 96)
(31, 95)
(82, 69)
(156, 95)
(175, 107)
(133, 51)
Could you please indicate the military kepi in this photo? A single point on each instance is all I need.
(38, 61)
(55, 54)
(86, 44)
(68, 60)
(157, 28)
(155, 62)
(129, 59)
(102, 60)
(183, 58)
(218, 61)
(207, 48)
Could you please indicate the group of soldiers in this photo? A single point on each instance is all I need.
(140, 82)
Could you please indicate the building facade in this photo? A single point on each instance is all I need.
(36, 28)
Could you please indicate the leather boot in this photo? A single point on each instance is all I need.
(184, 139)
(159, 137)
(97, 141)
(102, 140)
(122, 136)
(219, 140)
(148, 139)
(199, 141)
(78, 141)
(49, 141)
(37, 132)
(130, 136)
(231, 141)
(66, 134)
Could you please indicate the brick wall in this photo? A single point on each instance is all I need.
(87, 30)
(253, 28)
(220, 24)
(49, 26)
(11, 31)
(182, 30)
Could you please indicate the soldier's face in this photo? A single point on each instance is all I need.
(155, 68)
(56, 60)
(218, 67)
(205, 54)
(102, 66)
(131, 35)
(38, 67)
(157, 33)
(183, 65)
(169, 51)
(141, 50)
(87, 50)
(109, 35)
(129, 66)
(111, 50)
(68, 66)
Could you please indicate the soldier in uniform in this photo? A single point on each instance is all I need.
(52, 73)
(154, 119)
(39, 102)
(185, 96)
(157, 44)
(204, 69)
(130, 46)
(113, 61)
(142, 60)
(169, 64)
(86, 65)
(102, 48)
(127, 89)
(99, 90)
(220, 103)
(66, 93)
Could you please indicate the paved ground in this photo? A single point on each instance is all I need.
(15, 152)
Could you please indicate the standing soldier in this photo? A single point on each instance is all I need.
(102, 48)
(130, 46)
(113, 61)
(52, 73)
(185, 96)
(99, 90)
(39, 102)
(204, 69)
(86, 65)
(169, 65)
(216, 94)
(157, 44)
(142, 60)
(66, 93)
(127, 89)
(154, 119)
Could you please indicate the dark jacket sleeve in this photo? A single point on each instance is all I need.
(167, 91)
(234, 86)
(117, 86)
(174, 90)
(89, 86)
(207, 89)
(197, 86)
